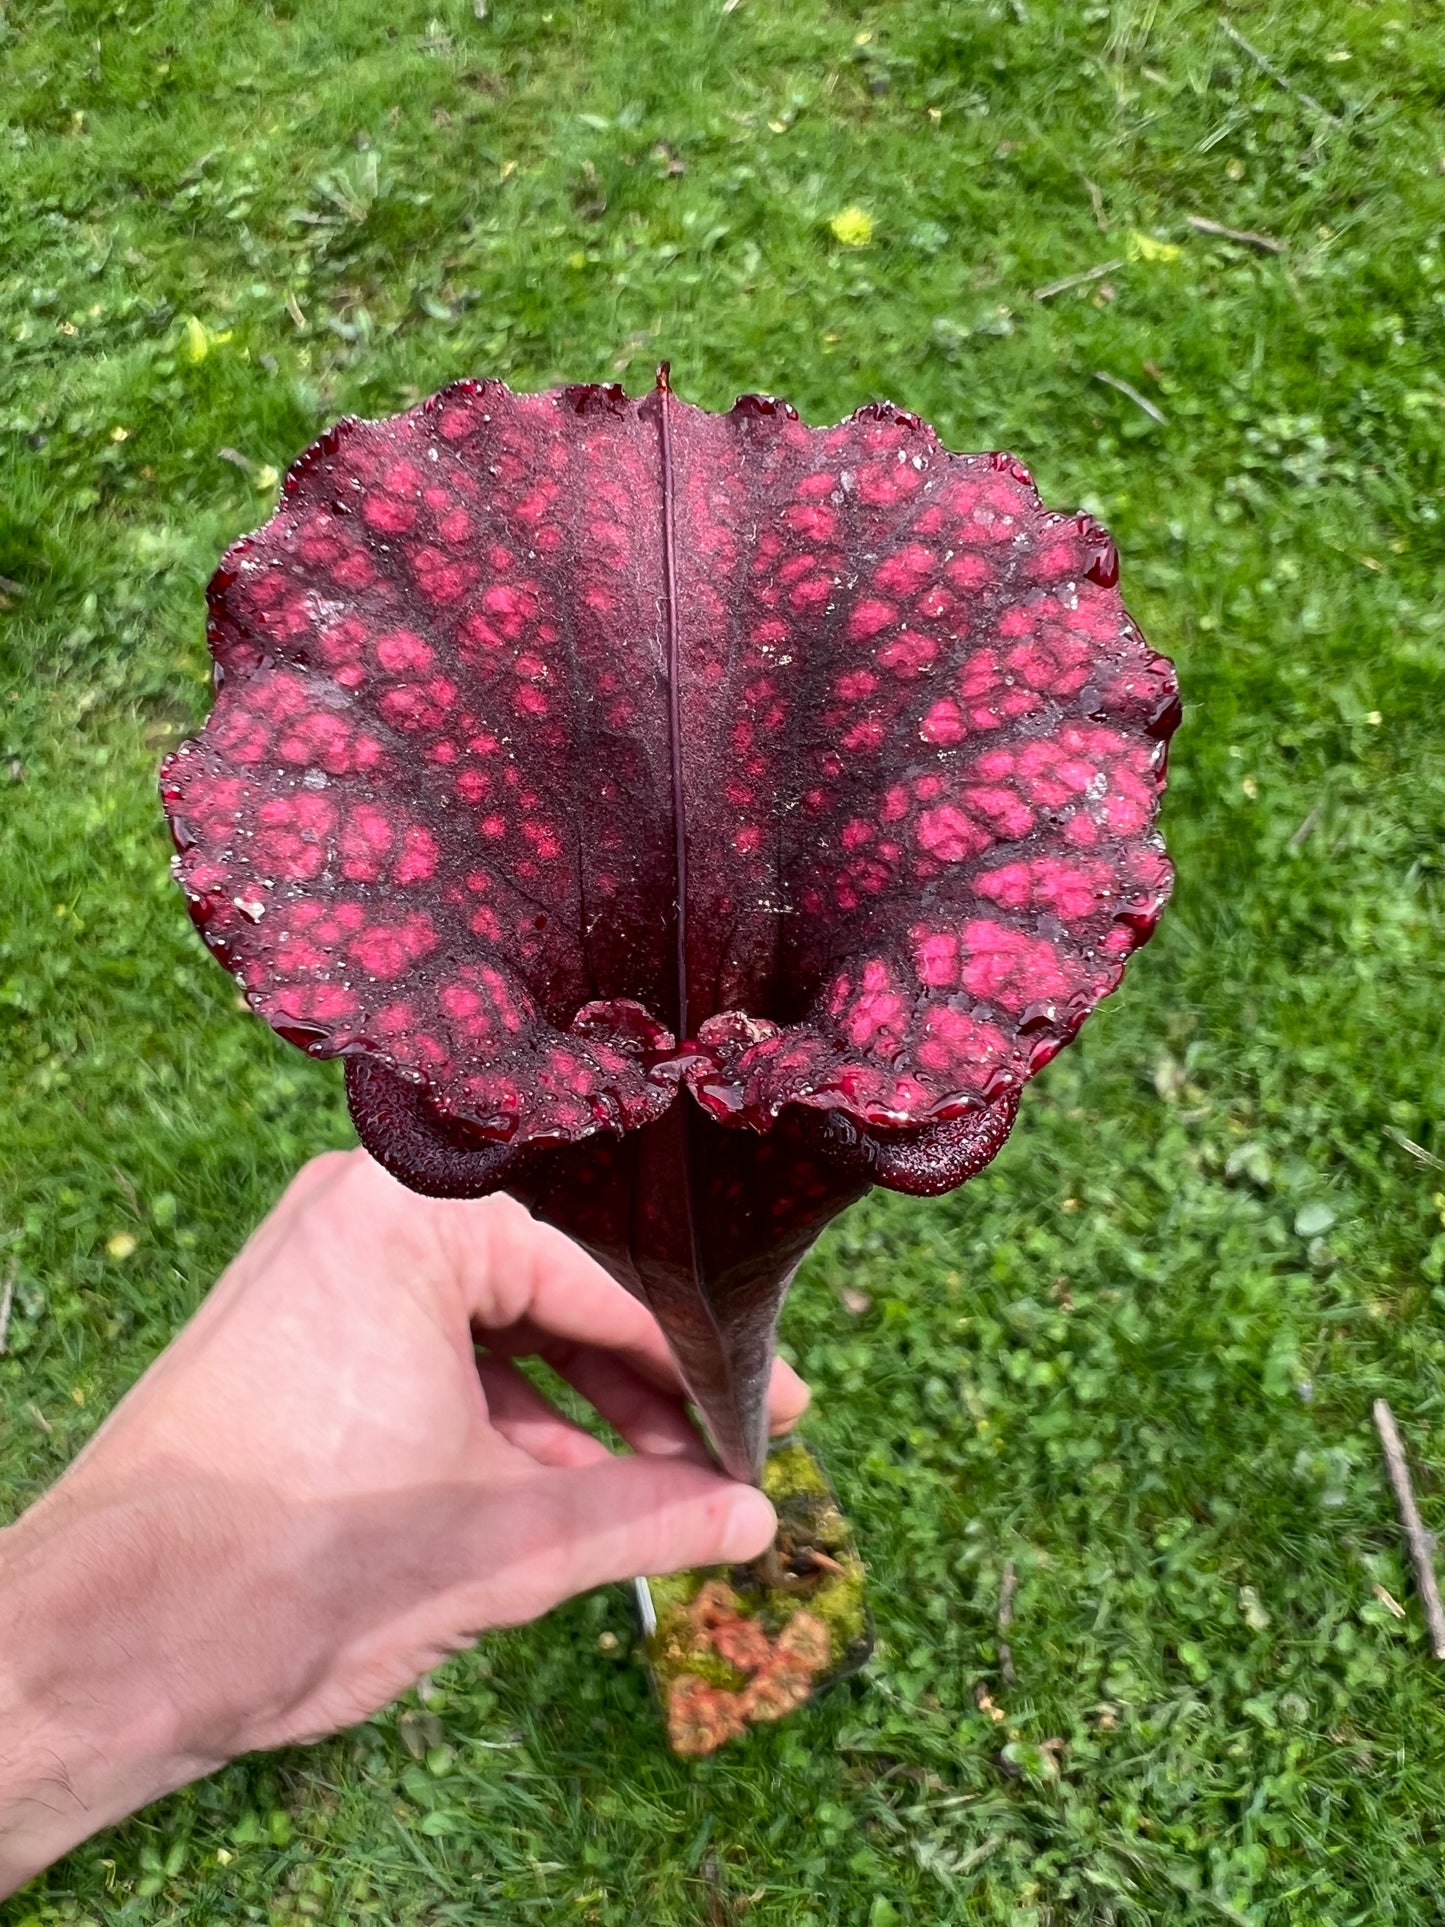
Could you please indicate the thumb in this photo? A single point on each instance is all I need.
(622, 1517)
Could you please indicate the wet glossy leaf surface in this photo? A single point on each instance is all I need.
(775, 799)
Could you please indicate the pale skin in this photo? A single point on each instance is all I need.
(331, 1479)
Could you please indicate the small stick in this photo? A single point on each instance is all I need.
(1304, 829)
(7, 1299)
(1420, 1542)
(1008, 1586)
(1416, 1150)
(1140, 401)
(1280, 79)
(1051, 288)
(1247, 237)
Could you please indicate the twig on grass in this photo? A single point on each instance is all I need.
(719, 1908)
(1051, 288)
(1246, 237)
(132, 1197)
(7, 1300)
(1139, 401)
(1276, 74)
(1416, 1151)
(1008, 1586)
(1304, 829)
(1420, 1542)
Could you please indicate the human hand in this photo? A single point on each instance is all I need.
(322, 1488)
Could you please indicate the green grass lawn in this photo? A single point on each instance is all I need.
(1135, 1358)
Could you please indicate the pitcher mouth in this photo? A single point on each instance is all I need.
(554, 729)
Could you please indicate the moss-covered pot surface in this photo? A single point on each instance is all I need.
(735, 1645)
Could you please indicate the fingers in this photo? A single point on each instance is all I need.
(529, 1289)
(575, 1529)
(650, 1420)
(530, 1422)
(571, 1312)
(644, 1515)
(543, 1283)
(788, 1397)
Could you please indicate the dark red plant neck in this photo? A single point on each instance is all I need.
(674, 688)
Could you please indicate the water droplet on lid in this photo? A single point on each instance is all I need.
(1036, 1018)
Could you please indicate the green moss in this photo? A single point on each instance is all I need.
(839, 1604)
(807, 1509)
(791, 1468)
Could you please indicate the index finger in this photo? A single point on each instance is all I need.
(527, 1283)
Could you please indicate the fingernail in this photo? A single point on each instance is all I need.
(751, 1524)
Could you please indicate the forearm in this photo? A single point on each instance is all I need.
(88, 1731)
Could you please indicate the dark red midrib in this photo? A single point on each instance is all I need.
(674, 692)
(683, 1115)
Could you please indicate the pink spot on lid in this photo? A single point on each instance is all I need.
(366, 840)
(811, 593)
(968, 571)
(949, 835)
(870, 618)
(1005, 812)
(386, 950)
(934, 604)
(905, 572)
(943, 724)
(812, 520)
(401, 652)
(545, 842)
(957, 1045)
(315, 1003)
(419, 854)
(387, 515)
(1009, 968)
(909, 653)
